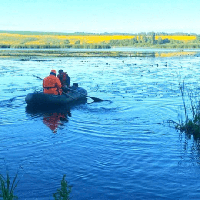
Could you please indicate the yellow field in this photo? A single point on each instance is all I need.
(95, 39)
(177, 37)
(6, 38)
(19, 39)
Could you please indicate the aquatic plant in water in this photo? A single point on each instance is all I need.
(7, 188)
(191, 125)
(64, 192)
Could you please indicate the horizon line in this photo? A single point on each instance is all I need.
(100, 33)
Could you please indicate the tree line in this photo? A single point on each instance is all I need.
(151, 40)
(144, 40)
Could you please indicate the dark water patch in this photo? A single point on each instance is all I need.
(42, 110)
(35, 60)
(24, 59)
(41, 60)
(11, 102)
(9, 90)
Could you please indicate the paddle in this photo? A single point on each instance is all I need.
(95, 99)
(37, 77)
(68, 95)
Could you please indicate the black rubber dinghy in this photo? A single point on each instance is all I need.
(41, 99)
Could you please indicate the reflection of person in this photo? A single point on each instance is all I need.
(64, 79)
(54, 120)
(52, 84)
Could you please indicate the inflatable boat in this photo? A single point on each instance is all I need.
(39, 99)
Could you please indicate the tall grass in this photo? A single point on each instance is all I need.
(8, 187)
(191, 106)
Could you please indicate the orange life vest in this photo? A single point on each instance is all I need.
(52, 85)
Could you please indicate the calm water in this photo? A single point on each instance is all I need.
(118, 149)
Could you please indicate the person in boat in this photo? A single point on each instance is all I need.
(52, 84)
(64, 79)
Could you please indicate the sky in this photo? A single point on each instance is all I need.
(100, 16)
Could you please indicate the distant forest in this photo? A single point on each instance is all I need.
(45, 40)
(160, 40)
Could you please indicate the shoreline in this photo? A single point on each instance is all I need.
(47, 53)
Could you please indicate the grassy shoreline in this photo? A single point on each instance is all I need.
(48, 53)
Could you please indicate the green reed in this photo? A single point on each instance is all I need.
(8, 187)
(64, 192)
(191, 104)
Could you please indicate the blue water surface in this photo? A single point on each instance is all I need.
(124, 148)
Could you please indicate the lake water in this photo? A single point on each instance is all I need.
(123, 148)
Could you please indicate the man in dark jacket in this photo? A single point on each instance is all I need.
(64, 79)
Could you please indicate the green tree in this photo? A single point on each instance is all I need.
(153, 38)
(77, 42)
(66, 42)
(160, 41)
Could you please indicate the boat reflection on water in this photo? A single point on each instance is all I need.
(55, 119)
(52, 117)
